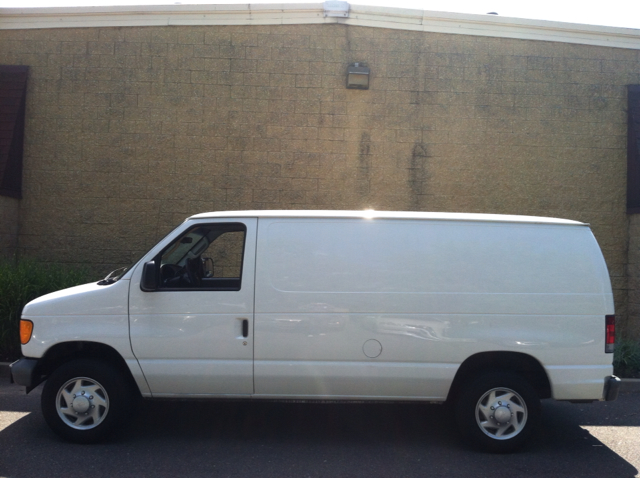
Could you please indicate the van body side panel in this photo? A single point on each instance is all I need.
(578, 382)
(190, 342)
(341, 301)
(585, 382)
(336, 380)
(324, 355)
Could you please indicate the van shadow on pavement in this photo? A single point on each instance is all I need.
(180, 438)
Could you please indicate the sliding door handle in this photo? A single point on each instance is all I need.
(245, 328)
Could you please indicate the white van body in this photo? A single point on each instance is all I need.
(354, 305)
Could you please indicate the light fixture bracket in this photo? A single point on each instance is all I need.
(336, 9)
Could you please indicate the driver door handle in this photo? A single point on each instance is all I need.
(245, 328)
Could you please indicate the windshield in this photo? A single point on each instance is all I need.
(117, 274)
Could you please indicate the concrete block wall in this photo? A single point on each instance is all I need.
(131, 129)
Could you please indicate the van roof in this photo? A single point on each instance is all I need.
(371, 214)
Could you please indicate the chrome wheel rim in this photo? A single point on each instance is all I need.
(501, 413)
(82, 403)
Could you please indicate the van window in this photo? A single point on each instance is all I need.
(206, 257)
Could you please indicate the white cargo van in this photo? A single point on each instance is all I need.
(491, 313)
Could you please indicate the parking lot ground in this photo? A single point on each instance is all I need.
(265, 439)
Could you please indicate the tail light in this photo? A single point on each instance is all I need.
(610, 333)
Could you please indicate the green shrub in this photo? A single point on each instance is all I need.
(22, 281)
(626, 358)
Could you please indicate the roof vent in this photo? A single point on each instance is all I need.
(336, 9)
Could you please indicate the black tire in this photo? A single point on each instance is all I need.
(86, 400)
(498, 412)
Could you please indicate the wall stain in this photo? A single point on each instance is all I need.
(364, 165)
(418, 176)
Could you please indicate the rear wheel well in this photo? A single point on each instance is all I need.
(65, 352)
(522, 364)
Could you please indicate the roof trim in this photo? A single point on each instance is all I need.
(371, 214)
(319, 13)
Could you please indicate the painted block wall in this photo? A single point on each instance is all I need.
(131, 129)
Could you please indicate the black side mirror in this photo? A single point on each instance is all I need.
(149, 281)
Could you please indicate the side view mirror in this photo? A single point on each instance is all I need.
(149, 280)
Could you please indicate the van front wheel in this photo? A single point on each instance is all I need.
(498, 412)
(85, 400)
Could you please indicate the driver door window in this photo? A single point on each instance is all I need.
(206, 257)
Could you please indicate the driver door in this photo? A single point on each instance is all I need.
(193, 334)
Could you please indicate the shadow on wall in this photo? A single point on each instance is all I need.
(9, 217)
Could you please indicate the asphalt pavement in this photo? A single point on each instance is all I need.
(262, 439)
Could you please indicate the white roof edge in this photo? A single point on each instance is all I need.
(160, 9)
(371, 214)
(313, 13)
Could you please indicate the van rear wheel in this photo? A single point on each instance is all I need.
(85, 400)
(498, 412)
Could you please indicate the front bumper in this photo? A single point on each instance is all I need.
(24, 372)
(611, 388)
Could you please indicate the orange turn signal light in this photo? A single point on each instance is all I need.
(26, 329)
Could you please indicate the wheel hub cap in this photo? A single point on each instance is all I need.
(81, 404)
(502, 414)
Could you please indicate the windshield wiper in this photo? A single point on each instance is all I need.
(113, 276)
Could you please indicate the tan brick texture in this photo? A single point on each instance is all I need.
(131, 129)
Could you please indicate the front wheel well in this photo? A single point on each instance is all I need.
(65, 352)
(522, 364)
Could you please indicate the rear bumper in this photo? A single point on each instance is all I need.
(611, 388)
